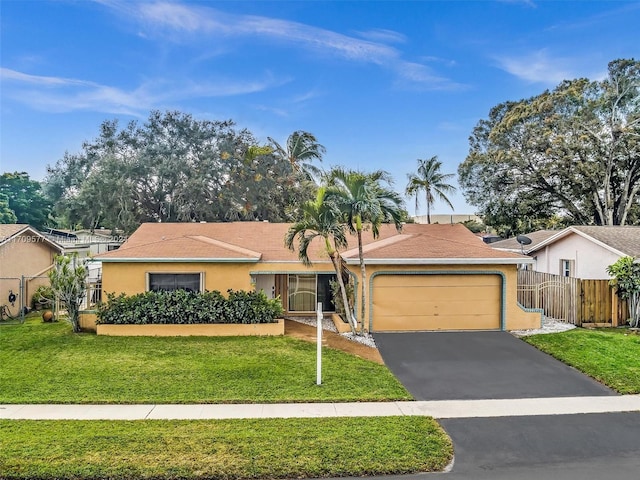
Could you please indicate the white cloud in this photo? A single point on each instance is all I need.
(383, 35)
(537, 67)
(422, 75)
(206, 25)
(65, 94)
(13, 75)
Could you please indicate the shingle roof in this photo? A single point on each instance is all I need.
(8, 230)
(511, 244)
(262, 241)
(625, 239)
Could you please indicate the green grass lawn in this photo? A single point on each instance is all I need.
(611, 356)
(222, 449)
(47, 363)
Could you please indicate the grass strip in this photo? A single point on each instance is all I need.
(611, 356)
(221, 449)
(47, 363)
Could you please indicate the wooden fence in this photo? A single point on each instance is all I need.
(571, 300)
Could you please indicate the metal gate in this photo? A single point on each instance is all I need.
(555, 295)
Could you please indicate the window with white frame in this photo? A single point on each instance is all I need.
(567, 267)
(166, 282)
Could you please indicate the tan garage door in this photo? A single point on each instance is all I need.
(436, 302)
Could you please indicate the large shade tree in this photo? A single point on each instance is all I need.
(22, 200)
(573, 151)
(366, 200)
(322, 219)
(174, 168)
(431, 182)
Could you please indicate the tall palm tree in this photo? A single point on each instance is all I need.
(301, 148)
(364, 200)
(432, 182)
(321, 218)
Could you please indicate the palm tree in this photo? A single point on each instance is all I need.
(364, 200)
(321, 218)
(302, 148)
(433, 182)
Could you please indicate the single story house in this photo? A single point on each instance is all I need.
(428, 277)
(579, 251)
(26, 256)
(512, 244)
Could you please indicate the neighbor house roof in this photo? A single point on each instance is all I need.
(621, 240)
(10, 231)
(264, 242)
(512, 245)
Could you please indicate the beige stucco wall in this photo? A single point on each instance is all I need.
(200, 330)
(591, 260)
(130, 278)
(27, 255)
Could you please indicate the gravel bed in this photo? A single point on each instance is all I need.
(549, 325)
(327, 324)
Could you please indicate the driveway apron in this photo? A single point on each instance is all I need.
(479, 365)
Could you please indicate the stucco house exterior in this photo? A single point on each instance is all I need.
(429, 277)
(25, 254)
(585, 251)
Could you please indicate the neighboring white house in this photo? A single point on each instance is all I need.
(582, 251)
(512, 244)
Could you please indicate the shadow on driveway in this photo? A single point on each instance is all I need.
(479, 365)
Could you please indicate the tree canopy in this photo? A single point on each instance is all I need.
(22, 200)
(174, 168)
(572, 152)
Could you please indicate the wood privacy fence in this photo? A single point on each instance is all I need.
(571, 300)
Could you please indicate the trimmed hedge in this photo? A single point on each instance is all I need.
(182, 308)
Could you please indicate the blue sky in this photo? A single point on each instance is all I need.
(380, 84)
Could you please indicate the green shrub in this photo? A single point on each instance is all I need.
(42, 297)
(182, 308)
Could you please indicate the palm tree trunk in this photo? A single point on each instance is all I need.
(363, 274)
(343, 290)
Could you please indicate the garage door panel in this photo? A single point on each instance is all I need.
(436, 302)
(439, 307)
(436, 280)
(443, 294)
(422, 323)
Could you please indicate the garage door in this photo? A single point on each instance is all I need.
(436, 302)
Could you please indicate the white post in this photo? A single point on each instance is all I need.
(319, 345)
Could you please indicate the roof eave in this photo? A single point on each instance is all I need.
(29, 228)
(442, 261)
(177, 260)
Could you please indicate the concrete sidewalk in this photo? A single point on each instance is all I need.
(437, 409)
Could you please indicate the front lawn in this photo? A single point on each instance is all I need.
(224, 449)
(611, 356)
(47, 363)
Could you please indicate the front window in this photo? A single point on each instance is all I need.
(167, 282)
(305, 291)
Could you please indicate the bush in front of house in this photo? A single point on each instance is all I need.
(180, 307)
(42, 298)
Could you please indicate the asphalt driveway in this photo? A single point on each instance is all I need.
(479, 365)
